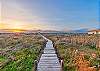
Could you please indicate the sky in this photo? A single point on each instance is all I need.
(49, 14)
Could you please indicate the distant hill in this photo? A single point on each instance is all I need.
(25, 31)
(45, 31)
(79, 31)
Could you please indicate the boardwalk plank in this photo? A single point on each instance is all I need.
(49, 60)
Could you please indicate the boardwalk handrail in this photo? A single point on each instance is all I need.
(58, 55)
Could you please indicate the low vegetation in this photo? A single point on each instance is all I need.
(18, 52)
(76, 57)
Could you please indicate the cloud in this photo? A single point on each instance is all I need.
(34, 14)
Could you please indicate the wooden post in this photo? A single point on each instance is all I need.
(62, 64)
(35, 65)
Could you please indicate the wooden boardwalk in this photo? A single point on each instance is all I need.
(49, 60)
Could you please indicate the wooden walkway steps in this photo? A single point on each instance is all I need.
(49, 60)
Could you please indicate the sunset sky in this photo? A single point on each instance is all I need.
(49, 14)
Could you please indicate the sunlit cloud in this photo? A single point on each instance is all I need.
(53, 15)
(16, 17)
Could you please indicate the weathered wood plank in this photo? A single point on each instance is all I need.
(49, 60)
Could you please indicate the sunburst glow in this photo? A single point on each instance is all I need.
(17, 25)
(57, 15)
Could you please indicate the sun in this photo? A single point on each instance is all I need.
(17, 25)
